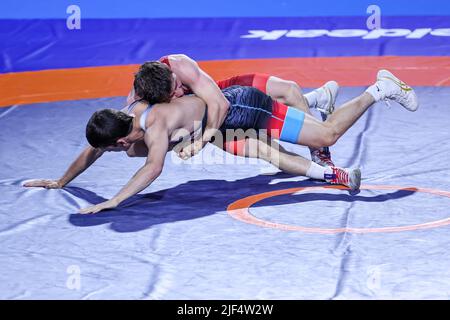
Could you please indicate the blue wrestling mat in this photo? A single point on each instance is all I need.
(218, 226)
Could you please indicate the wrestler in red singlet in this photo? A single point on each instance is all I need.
(256, 80)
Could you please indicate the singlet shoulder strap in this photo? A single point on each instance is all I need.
(144, 117)
(132, 105)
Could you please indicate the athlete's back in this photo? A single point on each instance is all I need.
(182, 116)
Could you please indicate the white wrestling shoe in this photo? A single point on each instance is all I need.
(392, 88)
(326, 98)
(349, 177)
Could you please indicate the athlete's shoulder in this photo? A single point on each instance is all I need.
(179, 57)
(135, 106)
(176, 60)
(182, 63)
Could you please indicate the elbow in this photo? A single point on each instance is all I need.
(157, 171)
(224, 106)
(150, 171)
(154, 171)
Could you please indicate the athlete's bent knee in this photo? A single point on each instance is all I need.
(328, 138)
(293, 88)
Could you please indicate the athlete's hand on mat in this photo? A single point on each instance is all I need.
(191, 150)
(110, 204)
(47, 184)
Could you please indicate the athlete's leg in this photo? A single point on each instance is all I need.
(287, 92)
(290, 93)
(317, 134)
(269, 150)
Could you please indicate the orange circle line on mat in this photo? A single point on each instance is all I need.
(112, 81)
(240, 211)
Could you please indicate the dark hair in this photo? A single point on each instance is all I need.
(106, 126)
(153, 82)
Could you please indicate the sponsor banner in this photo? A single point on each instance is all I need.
(29, 45)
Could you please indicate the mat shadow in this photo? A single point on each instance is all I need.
(197, 199)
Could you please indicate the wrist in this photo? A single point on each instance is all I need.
(61, 183)
(115, 201)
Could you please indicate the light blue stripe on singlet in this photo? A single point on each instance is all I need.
(292, 126)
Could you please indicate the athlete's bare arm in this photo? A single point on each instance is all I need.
(157, 141)
(86, 158)
(81, 163)
(190, 74)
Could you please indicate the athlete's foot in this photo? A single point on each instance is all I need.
(325, 98)
(348, 177)
(389, 87)
(322, 157)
